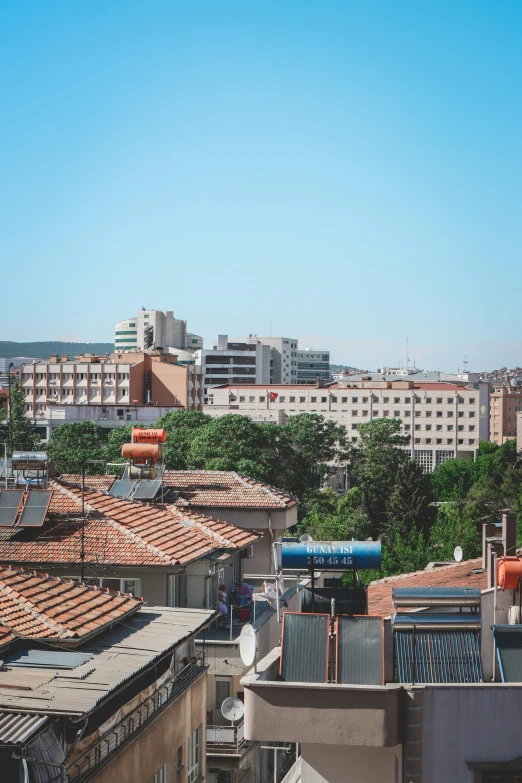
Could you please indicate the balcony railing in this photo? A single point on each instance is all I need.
(225, 740)
(88, 765)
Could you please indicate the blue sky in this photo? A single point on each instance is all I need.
(348, 171)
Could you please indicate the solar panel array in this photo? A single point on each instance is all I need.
(10, 500)
(35, 508)
(360, 652)
(304, 652)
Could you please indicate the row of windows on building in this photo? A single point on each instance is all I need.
(79, 376)
(122, 391)
(363, 400)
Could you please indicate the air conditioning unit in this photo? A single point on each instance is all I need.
(248, 552)
(120, 418)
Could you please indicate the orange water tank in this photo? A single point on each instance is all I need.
(141, 451)
(509, 572)
(149, 436)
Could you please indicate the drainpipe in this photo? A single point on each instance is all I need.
(33, 760)
(494, 614)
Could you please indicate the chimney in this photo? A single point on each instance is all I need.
(319, 384)
(509, 532)
(53, 358)
(64, 358)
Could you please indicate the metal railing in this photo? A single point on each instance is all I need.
(88, 764)
(225, 740)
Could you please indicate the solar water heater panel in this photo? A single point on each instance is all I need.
(360, 650)
(122, 488)
(509, 651)
(10, 500)
(438, 656)
(147, 489)
(304, 650)
(35, 509)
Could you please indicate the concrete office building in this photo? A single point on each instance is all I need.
(14, 362)
(504, 404)
(235, 362)
(160, 326)
(443, 419)
(313, 365)
(127, 386)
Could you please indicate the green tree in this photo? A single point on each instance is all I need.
(375, 462)
(408, 507)
(452, 480)
(333, 518)
(22, 432)
(78, 446)
(454, 527)
(181, 428)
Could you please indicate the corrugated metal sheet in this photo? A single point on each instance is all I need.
(47, 659)
(509, 651)
(122, 488)
(436, 596)
(9, 502)
(17, 729)
(360, 650)
(35, 508)
(438, 656)
(304, 653)
(147, 490)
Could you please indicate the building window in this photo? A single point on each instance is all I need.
(450, 414)
(178, 590)
(251, 399)
(472, 414)
(334, 399)
(407, 400)
(354, 426)
(417, 427)
(450, 400)
(313, 399)
(292, 399)
(460, 441)
(439, 414)
(407, 413)
(386, 399)
(343, 399)
(428, 414)
(355, 399)
(439, 400)
(386, 413)
(472, 401)
(302, 399)
(396, 400)
(323, 399)
(407, 426)
(163, 774)
(428, 426)
(428, 400)
(241, 399)
(194, 755)
(282, 398)
(396, 414)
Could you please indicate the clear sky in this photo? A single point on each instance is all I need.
(350, 172)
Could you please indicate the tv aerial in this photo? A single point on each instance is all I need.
(457, 553)
(232, 709)
(306, 539)
(247, 644)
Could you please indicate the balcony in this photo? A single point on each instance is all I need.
(226, 740)
(87, 766)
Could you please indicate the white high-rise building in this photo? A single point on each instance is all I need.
(154, 329)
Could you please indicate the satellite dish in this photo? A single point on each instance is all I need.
(306, 539)
(232, 709)
(247, 644)
(457, 553)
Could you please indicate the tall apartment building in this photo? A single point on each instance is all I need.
(313, 365)
(444, 419)
(284, 357)
(235, 362)
(127, 386)
(160, 326)
(504, 404)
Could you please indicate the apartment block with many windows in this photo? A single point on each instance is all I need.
(443, 419)
(313, 365)
(504, 404)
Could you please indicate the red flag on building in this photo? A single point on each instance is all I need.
(273, 396)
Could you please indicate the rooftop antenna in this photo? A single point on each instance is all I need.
(466, 364)
(407, 356)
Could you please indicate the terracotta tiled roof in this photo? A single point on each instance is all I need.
(453, 575)
(61, 504)
(103, 483)
(38, 606)
(226, 489)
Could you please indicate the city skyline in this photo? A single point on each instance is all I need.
(349, 173)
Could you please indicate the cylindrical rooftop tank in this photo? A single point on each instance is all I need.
(149, 436)
(509, 572)
(141, 451)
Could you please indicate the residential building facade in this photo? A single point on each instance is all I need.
(127, 700)
(443, 419)
(505, 402)
(117, 386)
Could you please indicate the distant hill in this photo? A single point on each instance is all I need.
(43, 350)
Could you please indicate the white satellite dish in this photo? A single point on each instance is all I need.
(247, 644)
(457, 553)
(232, 709)
(306, 538)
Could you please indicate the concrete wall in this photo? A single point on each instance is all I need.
(159, 742)
(316, 713)
(469, 723)
(335, 764)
